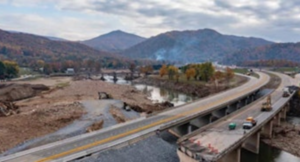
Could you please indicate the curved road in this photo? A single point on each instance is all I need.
(100, 140)
(219, 137)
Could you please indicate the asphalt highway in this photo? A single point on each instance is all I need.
(219, 137)
(104, 139)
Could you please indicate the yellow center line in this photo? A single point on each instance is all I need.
(211, 104)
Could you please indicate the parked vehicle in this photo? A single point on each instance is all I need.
(250, 122)
(232, 126)
(247, 125)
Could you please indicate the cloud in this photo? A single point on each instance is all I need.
(82, 19)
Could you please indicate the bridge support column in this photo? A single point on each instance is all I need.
(267, 130)
(278, 119)
(180, 130)
(283, 113)
(252, 143)
(201, 121)
(230, 109)
(233, 156)
(189, 129)
(239, 105)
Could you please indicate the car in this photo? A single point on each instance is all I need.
(247, 125)
(232, 126)
(285, 94)
(251, 120)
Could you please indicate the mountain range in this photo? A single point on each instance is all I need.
(188, 46)
(191, 46)
(114, 41)
(27, 48)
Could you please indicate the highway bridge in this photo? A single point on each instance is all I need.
(181, 120)
(217, 143)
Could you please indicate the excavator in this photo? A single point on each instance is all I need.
(8, 108)
(267, 106)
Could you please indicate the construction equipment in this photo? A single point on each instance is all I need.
(267, 106)
(250, 122)
(8, 108)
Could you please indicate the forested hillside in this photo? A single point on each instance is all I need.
(279, 51)
(27, 50)
(191, 46)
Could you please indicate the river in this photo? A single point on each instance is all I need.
(156, 94)
(267, 153)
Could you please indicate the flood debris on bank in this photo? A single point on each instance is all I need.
(48, 107)
(286, 137)
(197, 90)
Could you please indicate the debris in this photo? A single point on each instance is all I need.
(8, 108)
(96, 126)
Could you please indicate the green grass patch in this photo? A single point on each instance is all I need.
(244, 71)
(27, 71)
(287, 69)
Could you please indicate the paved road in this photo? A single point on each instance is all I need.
(218, 135)
(123, 132)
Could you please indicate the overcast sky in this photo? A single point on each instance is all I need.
(276, 20)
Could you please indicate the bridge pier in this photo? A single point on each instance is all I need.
(233, 156)
(201, 121)
(230, 109)
(283, 113)
(239, 104)
(267, 130)
(181, 130)
(252, 143)
(277, 119)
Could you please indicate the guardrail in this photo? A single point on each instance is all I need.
(252, 131)
(208, 111)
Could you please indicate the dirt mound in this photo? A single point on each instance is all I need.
(15, 92)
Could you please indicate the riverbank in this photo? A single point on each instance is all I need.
(197, 90)
(286, 137)
(52, 110)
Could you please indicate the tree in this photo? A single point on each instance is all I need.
(229, 74)
(216, 77)
(146, 70)
(172, 71)
(206, 71)
(2, 70)
(48, 69)
(190, 73)
(12, 69)
(132, 68)
(163, 70)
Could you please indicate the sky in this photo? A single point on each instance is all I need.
(275, 20)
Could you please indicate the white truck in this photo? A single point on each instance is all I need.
(287, 92)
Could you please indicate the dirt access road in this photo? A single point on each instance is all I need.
(51, 110)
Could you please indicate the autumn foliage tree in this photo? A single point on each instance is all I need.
(172, 71)
(146, 70)
(163, 71)
(190, 73)
(217, 77)
(229, 74)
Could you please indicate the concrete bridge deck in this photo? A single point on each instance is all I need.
(104, 139)
(217, 141)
